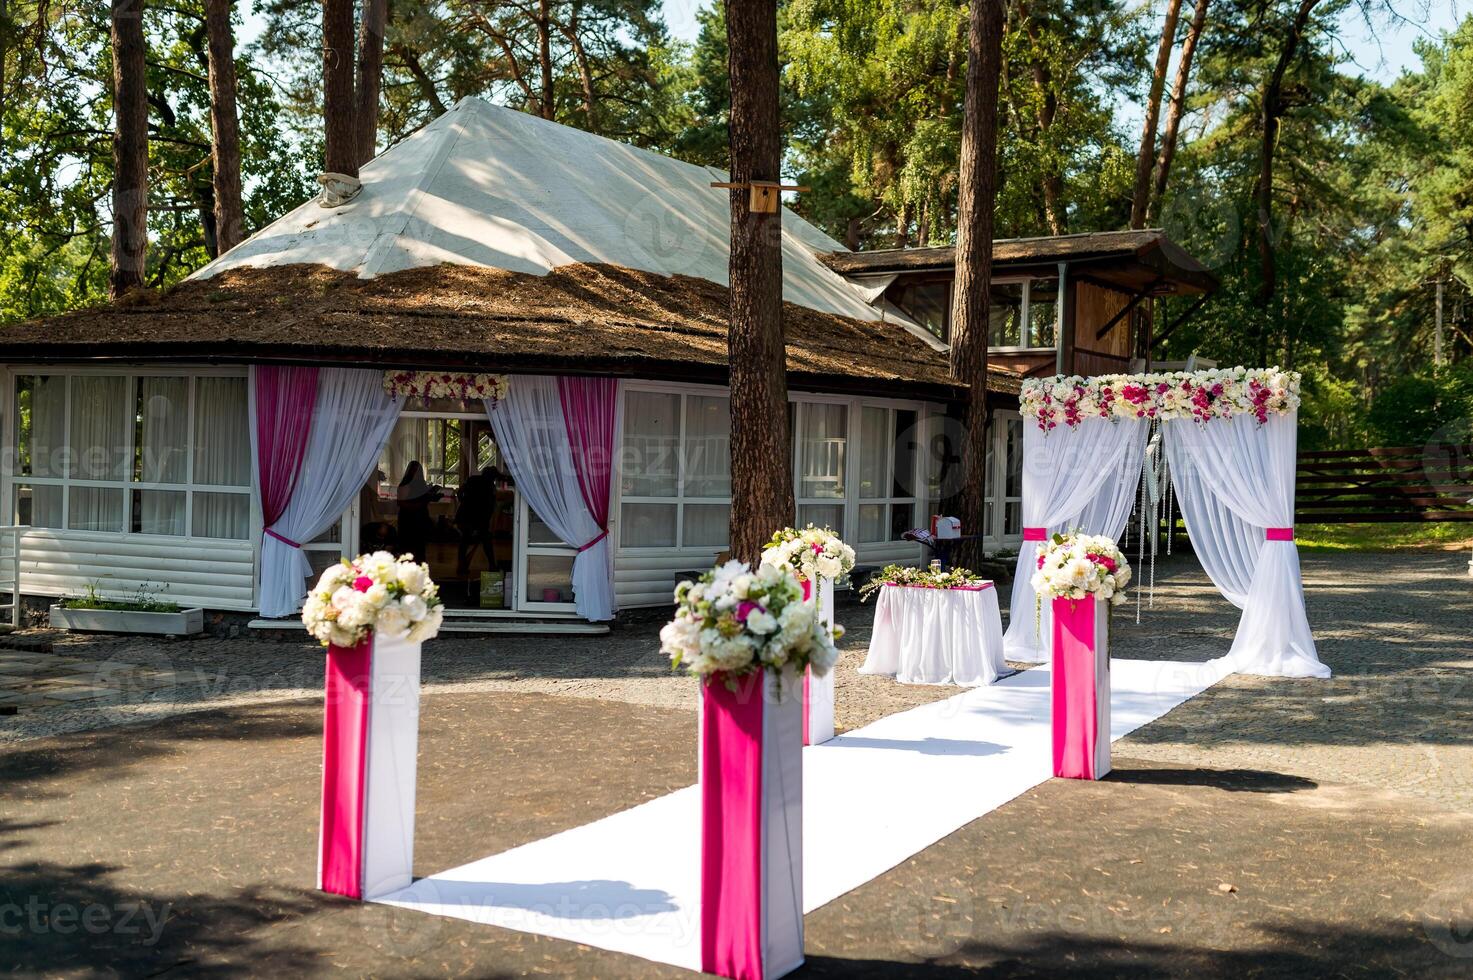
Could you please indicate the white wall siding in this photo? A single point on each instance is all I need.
(890, 553)
(642, 580)
(190, 571)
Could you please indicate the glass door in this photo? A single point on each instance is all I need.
(545, 565)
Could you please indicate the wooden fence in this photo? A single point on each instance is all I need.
(1432, 483)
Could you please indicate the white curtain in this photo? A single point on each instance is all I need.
(222, 458)
(351, 421)
(1235, 479)
(98, 439)
(163, 452)
(47, 445)
(533, 439)
(1084, 478)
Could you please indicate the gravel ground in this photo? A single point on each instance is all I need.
(1394, 627)
(1264, 828)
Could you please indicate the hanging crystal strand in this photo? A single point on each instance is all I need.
(1170, 510)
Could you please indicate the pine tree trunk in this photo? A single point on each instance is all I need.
(544, 55)
(1147, 155)
(225, 125)
(340, 154)
(970, 294)
(370, 78)
(1047, 108)
(1270, 112)
(130, 148)
(1178, 106)
(761, 470)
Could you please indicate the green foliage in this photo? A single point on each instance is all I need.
(142, 601)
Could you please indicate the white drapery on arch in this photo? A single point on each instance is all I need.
(1081, 477)
(1234, 479)
(1230, 438)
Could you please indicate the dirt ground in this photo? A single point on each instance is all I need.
(1265, 828)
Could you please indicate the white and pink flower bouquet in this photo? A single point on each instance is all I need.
(1218, 393)
(377, 593)
(445, 384)
(734, 620)
(811, 553)
(1073, 566)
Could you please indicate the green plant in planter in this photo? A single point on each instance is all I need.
(143, 601)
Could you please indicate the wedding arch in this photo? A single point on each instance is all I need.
(1229, 438)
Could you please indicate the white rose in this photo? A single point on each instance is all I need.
(414, 607)
(376, 596)
(391, 622)
(411, 576)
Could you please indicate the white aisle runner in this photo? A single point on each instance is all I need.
(871, 798)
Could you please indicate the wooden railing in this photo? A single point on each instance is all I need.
(1433, 483)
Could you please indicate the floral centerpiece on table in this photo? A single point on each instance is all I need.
(1073, 566)
(734, 620)
(378, 593)
(811, 553)
(921, 578)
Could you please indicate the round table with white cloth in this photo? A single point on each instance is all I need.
(937, 636)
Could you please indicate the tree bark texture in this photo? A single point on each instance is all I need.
(761, 473)
(1146, 158)
(971, 289)
(375, 22)
(340, 154)
(130, 148)
(1177, 108)
(225, 126)
(1270, 112)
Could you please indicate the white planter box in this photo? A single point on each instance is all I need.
(185, 622)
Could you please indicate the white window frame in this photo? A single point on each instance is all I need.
(850, 501)
(131, 375)
(1024, 310)
(679, 500)
(889, 500)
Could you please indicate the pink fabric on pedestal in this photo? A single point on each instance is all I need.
(589, 405)
(284, 400)
(344, 760)
(731, 828)
(1074, 707)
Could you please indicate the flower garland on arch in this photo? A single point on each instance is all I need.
(1201, 396)
(444, 384)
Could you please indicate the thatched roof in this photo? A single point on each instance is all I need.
(580, 318)
(1136, 258)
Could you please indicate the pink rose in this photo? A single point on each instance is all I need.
(363, 583)
(745, 609)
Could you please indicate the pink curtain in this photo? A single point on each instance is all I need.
(588, 411)
(344, 769)
(284, 400)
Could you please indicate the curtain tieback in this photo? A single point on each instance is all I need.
(1035, 534)
(283, 538)
(1278, 534)
(601, 535)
